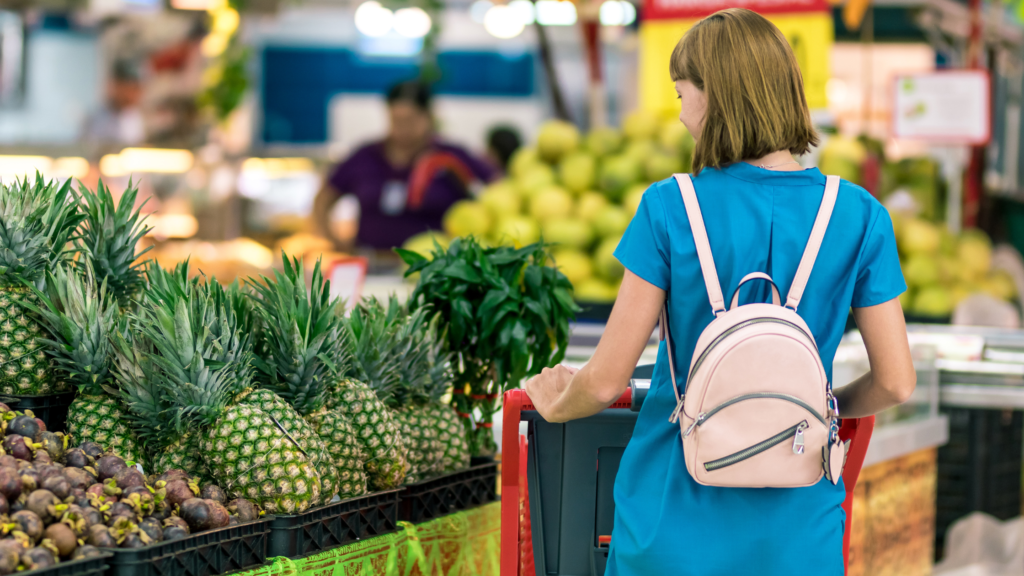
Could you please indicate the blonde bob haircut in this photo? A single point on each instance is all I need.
(755, 93)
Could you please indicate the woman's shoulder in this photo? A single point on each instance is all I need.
(853, 199)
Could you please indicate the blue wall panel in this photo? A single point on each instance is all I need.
(298, 83)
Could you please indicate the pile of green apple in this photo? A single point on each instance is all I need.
(576, 191)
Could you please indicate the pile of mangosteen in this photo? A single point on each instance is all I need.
(59, 503)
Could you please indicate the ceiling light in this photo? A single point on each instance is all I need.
(501, 22)
(556, 13)
(412, 22)
(478, 9)
(373, 20)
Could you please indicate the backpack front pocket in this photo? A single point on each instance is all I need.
(796, 433)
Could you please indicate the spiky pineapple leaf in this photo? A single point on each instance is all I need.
(37, 222)
(109, 237)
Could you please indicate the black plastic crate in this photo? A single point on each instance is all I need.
(450, 493)
(52, 409)
(979, 469)
(334, 525)
(209, 553)
(85, 567)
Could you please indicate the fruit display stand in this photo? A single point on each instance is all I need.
(337, 524)
(96, 566)
(52, 409)
(443, 495)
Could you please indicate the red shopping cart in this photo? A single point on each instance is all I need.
(547, 530)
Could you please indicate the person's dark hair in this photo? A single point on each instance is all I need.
(411, 92)
(504, 141)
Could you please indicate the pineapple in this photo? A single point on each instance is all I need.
(246, 450)
(81, 317)
(37, 220)
(299, 336)
(109, 237)
(442, 417)
(373, 378)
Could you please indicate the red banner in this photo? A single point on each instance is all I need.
(678, 9)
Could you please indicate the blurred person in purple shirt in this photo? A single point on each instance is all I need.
(404, 183)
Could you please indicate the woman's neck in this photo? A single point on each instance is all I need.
(402, 156)
(780, 160)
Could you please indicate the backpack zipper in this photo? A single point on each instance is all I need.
(797, 432)
(703, 416)
(723, 335)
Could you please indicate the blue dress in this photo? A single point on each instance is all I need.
(757, 220)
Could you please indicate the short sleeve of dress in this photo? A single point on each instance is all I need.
(879, 276)
(644, 247)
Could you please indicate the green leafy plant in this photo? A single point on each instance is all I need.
(506, 313)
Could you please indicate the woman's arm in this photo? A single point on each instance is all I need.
(561, 394)
(892, 378)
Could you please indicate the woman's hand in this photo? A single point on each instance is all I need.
(546, 388)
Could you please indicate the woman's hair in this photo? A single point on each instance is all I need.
(755, 93)
(411, 92)
(504, 141)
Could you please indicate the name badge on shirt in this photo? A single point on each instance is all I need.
(393, 198)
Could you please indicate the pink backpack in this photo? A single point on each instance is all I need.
(757, 409)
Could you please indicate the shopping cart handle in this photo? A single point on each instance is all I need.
(638, 389)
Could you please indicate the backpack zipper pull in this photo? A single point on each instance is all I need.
(798, 438)
(697, 422)
(674, 417)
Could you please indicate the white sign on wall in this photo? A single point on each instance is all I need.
(949, 106)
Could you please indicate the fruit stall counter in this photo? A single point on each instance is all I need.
(461, 544)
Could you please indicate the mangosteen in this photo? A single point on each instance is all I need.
(15, 446)
(108, 466)
(63, 537)
(173, 475)
(49, 470)
(10, 556)
(110, 488)
(143, 504)
(244, 509)
(134, 540)
(141, 490)
(10, 483)
(92, 449)
(92, 516)
(121, 510)
(85, 551)
(213, 492)
(8, 461)
(196, 512)
(42, 459)
(178, 491)
(53, 445)
(29, 523)
(30, 480)
(18, 504)
(100, 536)
(41, 502)
(174, 533)
(78, 479)
(4, 508)
(42, 425)
(128, 477)
(151, 527)
(38, 557)
(77, 458)
(219, 515)
(161, 510)
(176, 521)
(59, 486)
(23, 426)
(76, 519)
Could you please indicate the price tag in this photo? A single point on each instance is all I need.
(347, 276)
(948, 106)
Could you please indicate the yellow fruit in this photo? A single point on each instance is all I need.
(501, 199)
(640, 150)
(578, 171)
(974, 251)
(611, 221)
(423, 244)
(921, 270)
(633, 197)
(551, 202)
(933, 301)
(590, 205)
(617, 174)
(568, 232)
(675, 138)
(515, 230)
(603, 141)
(556, 139)
(640, 125)
(846, 148)
(1000, 285)
(574, 264)
(535, 178)
(465, 218)
(522, 160)
(919, 237)
(660, 166)
(595, 291)
(606, 265)
(960, 291)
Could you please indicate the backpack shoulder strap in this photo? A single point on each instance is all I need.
(803, 271)
(700, 238)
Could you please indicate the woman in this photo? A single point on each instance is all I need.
(404, 183)
(742, 96)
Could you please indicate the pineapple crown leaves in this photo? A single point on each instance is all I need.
(413, 343)
(150, 411)
(384, 353)
(80, 317)
(302, 342)
(109, 236)
(37, 221)
(503, 307)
